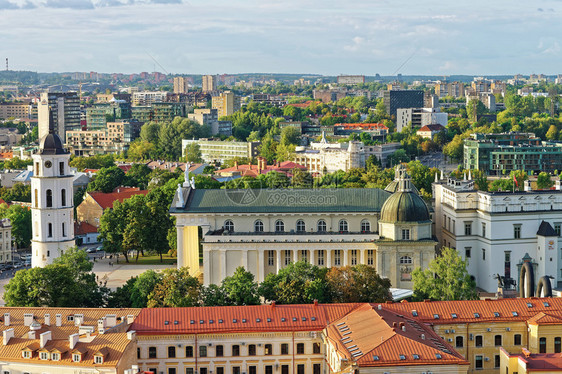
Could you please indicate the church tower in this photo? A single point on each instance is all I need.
(51, 200)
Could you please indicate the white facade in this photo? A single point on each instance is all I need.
(494, 231)
(419, 117)
(5, 240)
(52, 207)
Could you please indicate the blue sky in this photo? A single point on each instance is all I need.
(283, 36)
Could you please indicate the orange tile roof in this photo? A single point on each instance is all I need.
(231, 319)
(370, 126)
(373, 337)
(83, 228)
(106, 200)
(551, 362)
(463, 311)
(545, 319)
(246, 170)
(435, 127)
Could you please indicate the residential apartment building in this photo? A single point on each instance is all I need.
(351, 79)
(181, 85)
(307, 128)
(65, 109)
(378, 130)
(209, 83)
(497, 232)
(98, 115)
(218, 151)
(145, 98)
(419, 117)
(5, 240)
(209, 117)
(453, 89)
(499, 154)
(9, 137)
(226, 103)
(114, 138)
(16, 110)
(396, 99)
(328, 96)
(264, 230)
(158, 112)
(68, 341)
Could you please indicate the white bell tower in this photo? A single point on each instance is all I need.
(51, 200)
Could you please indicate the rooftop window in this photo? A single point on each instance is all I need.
(546, 304)
(415, 313)
(496, 314)
(436, 316)
(454, 315)
(375, 358)
(416, 357)
(438, 356)
(402, 357)
(476, 315)
(529, 305)
(515, 314)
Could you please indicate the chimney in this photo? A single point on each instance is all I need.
(315, 302)
(130, 319)
(131, 335)
(111, 320)
(273, 304)
(72, 340)
(558, 185)
(527, 186)
(404, 328)
(6, 319)
(7, 335)
(32, 335)
(236, 164)
(102, 323)
(47, 320)
(44, 338)
(27, 319)
(58, 320)
(423, 336)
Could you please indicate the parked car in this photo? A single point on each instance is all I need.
(91, 250)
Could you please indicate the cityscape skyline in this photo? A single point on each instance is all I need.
(193, 37)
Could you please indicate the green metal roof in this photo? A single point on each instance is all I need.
(282, 200)
(393, 187)
(404, 207)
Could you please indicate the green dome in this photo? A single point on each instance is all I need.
(404, 206)
(393, 187)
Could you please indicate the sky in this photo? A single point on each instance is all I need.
(411, 37)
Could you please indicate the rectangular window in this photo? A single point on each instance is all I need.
(316, 369)
(478, 362)
(268, 350)
(354, 257)
(252, 350)
(449, 223)
(483, 229)
(507, 264)
(496, 361)
(203, 371)
(478, 341)
(542, 345)
(171, 352)
(405, 234)
(316, 348)
(187, 370)
(453, 231)
(557, 346)
(370, 259)
(287, 257)
(98, 359)
(220, 370)
(517, 339)
(61, 168)
(236, 350)
(252, 370)
(320, 258)
(467, 251)
(459, 341)
(516, 231)
(557, 228)
(483, 254)
(270, 258)
(498, 340)
(300, 348)
(188, 351)
(268, 369)
(304, 255)
(203, 351)
(284, 369)
(236, 370)
(219, 351)
(300, 369)
(284, 349)
(337, 257)
(468, 228)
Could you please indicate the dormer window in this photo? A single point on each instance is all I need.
(98, 359)
(55, 356)
(44, 355)
(76, 357)
(26, 354)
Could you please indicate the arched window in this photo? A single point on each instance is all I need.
(49, 230)
(63, 197)
(365, 226)
(405, 260)
(279, 226)
(321, 226)
(301, 227)
(36, 198)
(343, 225)
(258, 226)
(229, 225)
(49, 198)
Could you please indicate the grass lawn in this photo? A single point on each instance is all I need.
(148, 260)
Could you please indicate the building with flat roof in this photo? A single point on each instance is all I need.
(114, 138)
(396, 99)
(500, 153)
(219, 151)
(16, 110)
(5, 240)
(181, 85)
(351, 79)
(209, 83)
(226, 103)
(65, 108)
(144, 98)
(158, 112)
(99, 114)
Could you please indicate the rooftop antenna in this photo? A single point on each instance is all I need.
(7, 64)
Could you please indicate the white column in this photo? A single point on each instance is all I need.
(206, 268)
(278, 263)
(261, 266)
(345, 259)
(179, 245)
(295, 255)
(223, 263)
(310, 257)
(362, 253)
(245, 259)
(328, 258)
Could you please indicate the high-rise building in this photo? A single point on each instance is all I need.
(209, 83)
(226, 103)
(51, 200)
(181, 85)
(65, 108)
(394, 99)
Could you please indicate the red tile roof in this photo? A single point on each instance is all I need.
(434, 127)
(106, 200)
(463, 311)
(83, 228)
(365, 126)
(551, 362)
(374, 337)
(246, 170)
(231, 319)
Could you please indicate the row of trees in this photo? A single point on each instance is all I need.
(69, 282)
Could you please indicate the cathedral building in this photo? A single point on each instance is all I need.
(51, 201)
(499, 231)
(264, 230)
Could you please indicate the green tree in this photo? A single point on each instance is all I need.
(143, 285)
(290, 135)
(20, 218)
(357, 284)
(241, 288)
(193, 153)
(301, 179)
(93, 162)
(297, 283)
(177, 289)
(543, 181)
(141, 150)
(446, 278)
(552, 133)
(268, 148)
(213, 295)
(138, 175)
(149, 132)
(107, 179)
